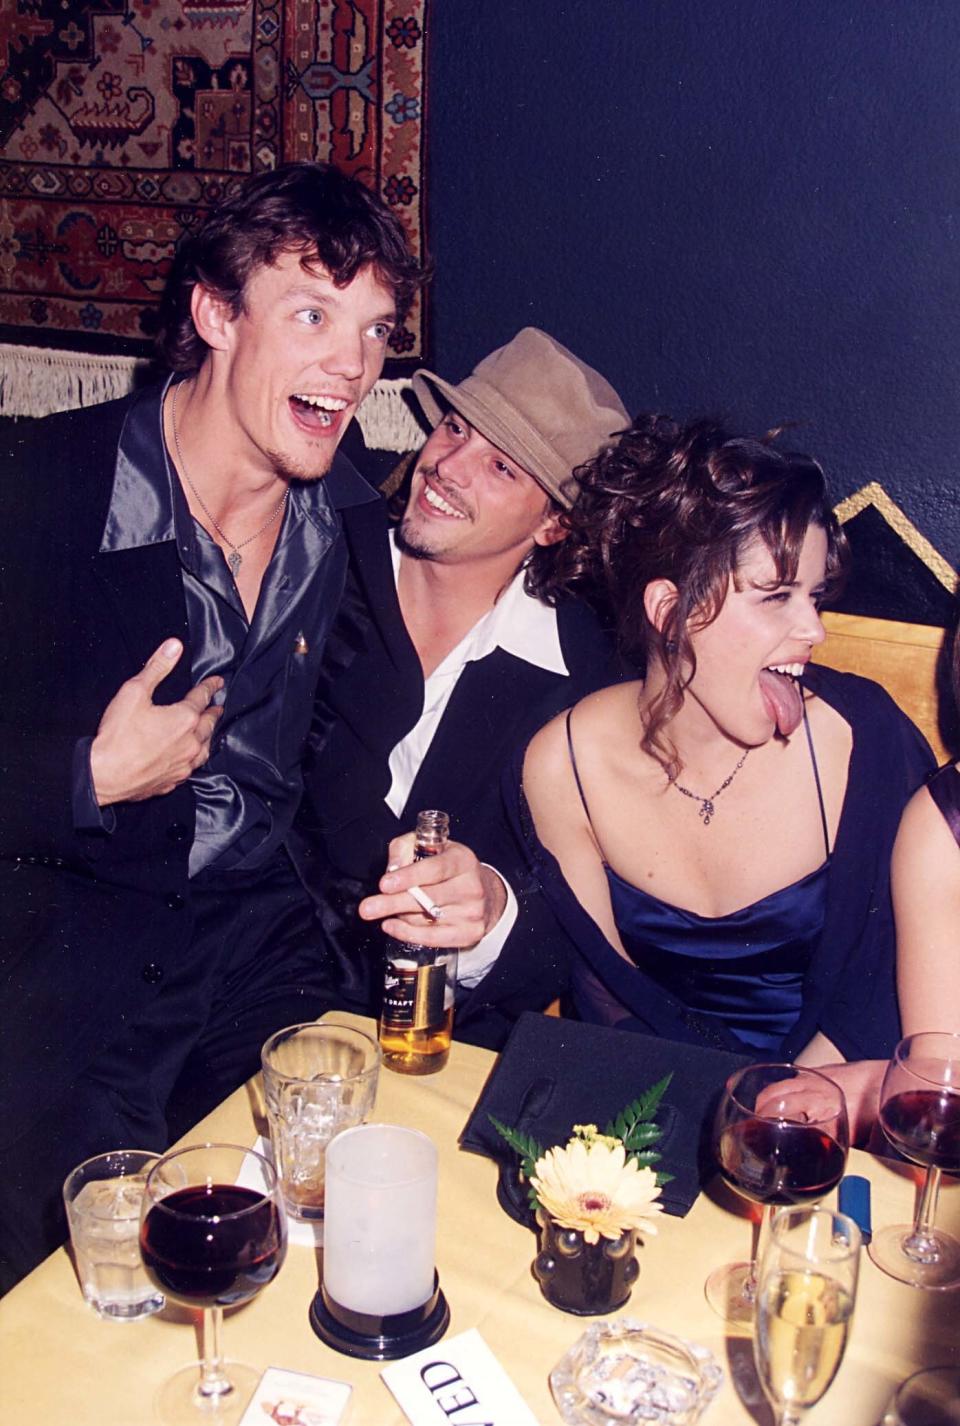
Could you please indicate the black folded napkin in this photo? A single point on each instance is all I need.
(554, 1073)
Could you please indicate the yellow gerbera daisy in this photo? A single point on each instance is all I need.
(593, 1188)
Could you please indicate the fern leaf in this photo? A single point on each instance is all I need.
(641, 1136)
(641, 1111)
(647, 1156)
(522, 1144)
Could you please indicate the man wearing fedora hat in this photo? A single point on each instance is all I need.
(442, 659)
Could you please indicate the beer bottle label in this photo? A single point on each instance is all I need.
(413, 996)
(428, 1009)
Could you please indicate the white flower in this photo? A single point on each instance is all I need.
(592, 1187)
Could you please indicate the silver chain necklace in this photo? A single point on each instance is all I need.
(707, 808)
(234, 558)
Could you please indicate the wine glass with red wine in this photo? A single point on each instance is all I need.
(780, 1136)
(213, 1232)
(920, 1115)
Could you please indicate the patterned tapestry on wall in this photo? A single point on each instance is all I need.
(123, 121)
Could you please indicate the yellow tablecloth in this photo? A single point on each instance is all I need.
(61, 1366)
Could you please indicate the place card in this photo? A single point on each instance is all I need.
(457, 1382)
(296, 1399)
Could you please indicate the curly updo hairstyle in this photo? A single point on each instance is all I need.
(682, 503)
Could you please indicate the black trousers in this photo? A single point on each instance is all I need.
(256, 963)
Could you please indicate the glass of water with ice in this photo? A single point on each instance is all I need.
(318, 1078)
(103, 1197)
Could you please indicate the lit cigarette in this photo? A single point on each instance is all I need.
(422, 899)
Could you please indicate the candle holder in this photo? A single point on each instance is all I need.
(380, 1297)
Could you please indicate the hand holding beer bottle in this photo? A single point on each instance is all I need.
(419, 981)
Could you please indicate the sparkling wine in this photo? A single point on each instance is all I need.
(924, 1124)
(213, 1245)
(772, 1161)
(419, 982)
(802, 1324)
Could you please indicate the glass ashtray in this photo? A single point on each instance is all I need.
(628, 1371)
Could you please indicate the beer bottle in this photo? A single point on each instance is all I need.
(419, 982)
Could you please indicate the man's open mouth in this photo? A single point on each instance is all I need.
(318, 411)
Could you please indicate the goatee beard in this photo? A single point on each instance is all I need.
(404, 534)
(408, 544)
(286, 471)
(408, 540)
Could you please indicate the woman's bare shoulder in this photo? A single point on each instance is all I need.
(926, 859)
(595, 715)
(592, 713)
(607, 708)
(922, 825)
(825, 720)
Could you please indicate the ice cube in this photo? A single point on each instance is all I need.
(111, 1198)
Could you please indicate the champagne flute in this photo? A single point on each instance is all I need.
(780, 1136)
(920, 1115)
(212, 1234)
(806, 1290)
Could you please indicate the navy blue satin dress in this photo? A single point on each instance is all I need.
(746, 969)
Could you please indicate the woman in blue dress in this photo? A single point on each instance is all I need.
(716, 837)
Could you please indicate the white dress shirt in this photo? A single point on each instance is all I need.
(520, 625)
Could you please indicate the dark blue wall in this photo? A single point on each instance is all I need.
(742, 206)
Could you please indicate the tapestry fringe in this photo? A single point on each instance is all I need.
(386, 420)
(35, 381)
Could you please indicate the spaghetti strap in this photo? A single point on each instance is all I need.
(576, 772)
(816, 778)
(944, 788)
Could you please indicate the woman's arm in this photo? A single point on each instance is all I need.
(926, 903)
(555, 804)
(925, 877)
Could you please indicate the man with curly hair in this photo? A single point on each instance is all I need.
(444, 655)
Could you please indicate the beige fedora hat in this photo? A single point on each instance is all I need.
(536, 402)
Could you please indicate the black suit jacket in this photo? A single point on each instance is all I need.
(371, 695)
(91, 923)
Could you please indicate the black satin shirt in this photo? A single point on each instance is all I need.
(248, 791)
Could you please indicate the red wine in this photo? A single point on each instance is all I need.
(924, 1124)
(772, 1162)
(205, 1263)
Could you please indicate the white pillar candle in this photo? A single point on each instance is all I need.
(379, 1239)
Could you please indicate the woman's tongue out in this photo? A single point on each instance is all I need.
(782, 696)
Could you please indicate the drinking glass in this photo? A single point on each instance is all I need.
(212, 1234)
(806, 1289)
(928, 1398)
(103, 1196)
(780, 1136)
(920, 1115)
(318, 1079)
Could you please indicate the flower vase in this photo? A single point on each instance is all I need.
(580, 1277)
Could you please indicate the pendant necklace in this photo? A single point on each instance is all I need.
(707, 808)
(234, 558)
